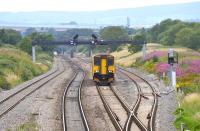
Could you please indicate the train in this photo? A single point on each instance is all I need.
(103, 69)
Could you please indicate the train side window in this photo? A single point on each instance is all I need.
(110, 62)
(97, 61)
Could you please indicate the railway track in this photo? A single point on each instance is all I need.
(73, 116)
(114, 107)
(141, 115)
(147, 99)
(11, 101)
(123, 116)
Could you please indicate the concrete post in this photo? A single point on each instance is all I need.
(72, 53)
(172, 75)
(144, 51)
(33, 54)
(90, 50)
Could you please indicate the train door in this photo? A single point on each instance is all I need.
(103, 66)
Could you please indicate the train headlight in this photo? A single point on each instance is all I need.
(97, 71)
(110, 71)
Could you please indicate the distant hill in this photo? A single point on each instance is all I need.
(143, 16)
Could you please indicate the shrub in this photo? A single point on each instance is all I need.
(190, 112)
(16, 67)
(155, 59)
(138, 62)
(26, 74)
(37, 70)
(119, 48)
(149, 66)
(45, 59)
(157, 54)
(4, 84)
(12, 78)
(162, 68)
(26, 45)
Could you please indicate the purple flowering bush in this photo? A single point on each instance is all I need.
(187, 71)
(162, 67)
(157, 54)
(194, 67)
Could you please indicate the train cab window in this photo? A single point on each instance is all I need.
(110, 61)
(97, 61)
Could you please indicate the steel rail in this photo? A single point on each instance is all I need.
(21, 99)
(111, 114)
(64, 120)
(136, 106)
(15, 93)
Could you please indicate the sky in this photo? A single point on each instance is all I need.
(78, 5)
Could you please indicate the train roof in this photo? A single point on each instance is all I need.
(103, 55)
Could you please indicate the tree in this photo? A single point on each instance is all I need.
(188, 37)
(168, 37)
(29, 31)
(10, 36)
(183, 37)
(195, 44)
(137, 46)
(40, 38)
(155, 33)
(114, 33)
(26, 45)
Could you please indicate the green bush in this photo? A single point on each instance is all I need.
(119, 48)
(149, 66)
(26, 45)
(4, 84)
(16, 66)
(189, 115)
(45, 59)
(155, 59)
(8, 63)
(26, 74)
(138, 62)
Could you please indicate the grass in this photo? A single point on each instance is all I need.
(125, 58)
(16, 66)
(190, 115)
(30, 125)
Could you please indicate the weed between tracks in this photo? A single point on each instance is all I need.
(31, 125)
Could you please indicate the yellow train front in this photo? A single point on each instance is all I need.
(103, 69)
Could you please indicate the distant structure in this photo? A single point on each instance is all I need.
(128, 22)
